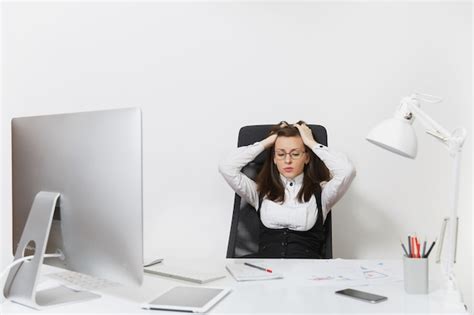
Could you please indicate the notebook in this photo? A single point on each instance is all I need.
(241, 272)
(185, 274)
(188, 299)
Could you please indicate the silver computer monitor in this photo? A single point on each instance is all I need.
(94, 161)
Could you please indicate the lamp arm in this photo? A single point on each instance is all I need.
(428, 122)
(452, 140)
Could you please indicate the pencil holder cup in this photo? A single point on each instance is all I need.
(415, 272)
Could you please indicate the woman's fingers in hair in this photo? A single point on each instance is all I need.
(300, 127)
(277, 127)
(269, 141)
(306, 134)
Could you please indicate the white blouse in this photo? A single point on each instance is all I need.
(292, 214)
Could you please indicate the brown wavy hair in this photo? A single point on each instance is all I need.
(268, 180)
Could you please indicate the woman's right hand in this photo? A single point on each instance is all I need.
(269, 141)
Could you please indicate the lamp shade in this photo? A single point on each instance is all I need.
(396, 135)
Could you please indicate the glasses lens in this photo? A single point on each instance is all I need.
(296, 155)
(280, 155)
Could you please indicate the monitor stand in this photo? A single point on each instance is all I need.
(22, 280)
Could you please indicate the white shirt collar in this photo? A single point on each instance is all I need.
(298, 180)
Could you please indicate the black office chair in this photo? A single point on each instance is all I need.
(245, 227)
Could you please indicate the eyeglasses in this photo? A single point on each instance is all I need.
(294, 155)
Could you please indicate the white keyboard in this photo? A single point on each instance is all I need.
(79, 280)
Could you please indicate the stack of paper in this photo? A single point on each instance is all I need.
(241, 272)
(180, 273)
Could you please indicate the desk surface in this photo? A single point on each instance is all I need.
(298, 292)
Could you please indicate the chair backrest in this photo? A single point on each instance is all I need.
(245, 227)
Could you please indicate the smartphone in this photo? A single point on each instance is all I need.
(361, 295)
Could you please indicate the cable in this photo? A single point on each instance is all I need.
(59, 254)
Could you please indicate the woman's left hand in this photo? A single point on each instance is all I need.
(306, 135)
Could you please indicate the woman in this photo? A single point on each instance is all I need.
(301, 180)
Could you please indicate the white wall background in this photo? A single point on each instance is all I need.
(200, 71)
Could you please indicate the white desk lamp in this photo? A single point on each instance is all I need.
(397, 135)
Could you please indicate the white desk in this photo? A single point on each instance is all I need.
(296, 293)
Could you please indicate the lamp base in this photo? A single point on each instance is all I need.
(450, 295)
